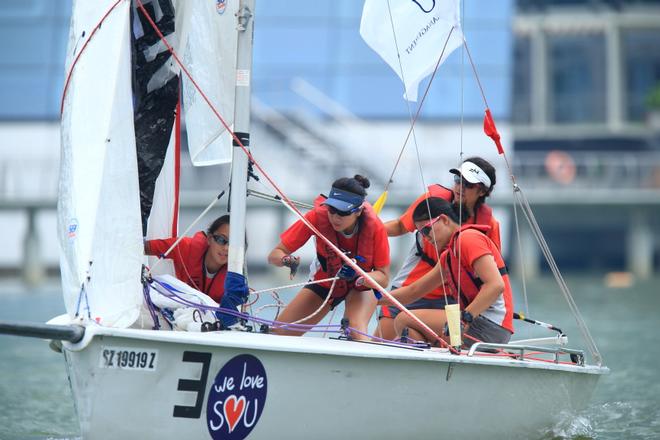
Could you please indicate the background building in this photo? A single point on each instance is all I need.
(568, 83)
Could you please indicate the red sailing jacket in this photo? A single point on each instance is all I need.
(456, 271)
(368, 228)
(426, 251)
(188, 257)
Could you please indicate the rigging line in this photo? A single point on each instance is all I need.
(288, 286)
(411, 131)
(183, 235)
(520, 251)
(82, 49)
(276, 199)
(285, 199)
(553, 266)
(403, 81)
(332, 316)
(323, 304)
(474, 69)
(171, 293)
(428, 206)
(586, 334)
(460, 153)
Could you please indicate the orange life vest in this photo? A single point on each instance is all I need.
(470, 283)
(437, 190)
(329, 260)
(482, 216)
(190, 267)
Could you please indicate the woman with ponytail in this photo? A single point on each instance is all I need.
(349, 223)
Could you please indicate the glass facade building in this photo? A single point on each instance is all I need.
(316, 41)
(588, 63)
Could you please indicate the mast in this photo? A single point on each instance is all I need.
(237, 199)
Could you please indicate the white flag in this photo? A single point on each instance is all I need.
(421, 28)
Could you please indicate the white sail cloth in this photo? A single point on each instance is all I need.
(207, 46)
(416, 31)
(99, 225)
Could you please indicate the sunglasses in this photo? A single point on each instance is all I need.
(220, 239)
(426, 229)
(335, 211)
(459, 180)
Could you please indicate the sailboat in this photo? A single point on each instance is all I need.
(153, 383)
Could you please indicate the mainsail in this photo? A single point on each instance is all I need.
(99, 222)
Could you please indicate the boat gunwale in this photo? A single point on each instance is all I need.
(319, 346)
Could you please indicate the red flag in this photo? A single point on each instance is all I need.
(491, 131)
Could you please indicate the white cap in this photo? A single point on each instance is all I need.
(472, 173)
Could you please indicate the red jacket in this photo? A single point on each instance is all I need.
(473, 244)
(188, 257)
(369, 226)
(426, 251)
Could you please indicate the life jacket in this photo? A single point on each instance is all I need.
(190, 267)
(470, 283)
(329, 260)
(437, 190)
(482, 216)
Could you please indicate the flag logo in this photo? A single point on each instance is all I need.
(412, 37)
(220, 6)
(72, 228)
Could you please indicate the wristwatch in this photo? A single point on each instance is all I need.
(467, 317)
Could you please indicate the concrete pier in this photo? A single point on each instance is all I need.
(633, 213)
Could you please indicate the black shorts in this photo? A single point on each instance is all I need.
(322, 293)
(483, 329)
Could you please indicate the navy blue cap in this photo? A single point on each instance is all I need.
(343, 200)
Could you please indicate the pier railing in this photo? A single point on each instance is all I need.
(619, 188)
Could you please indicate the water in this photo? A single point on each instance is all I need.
(36, 403)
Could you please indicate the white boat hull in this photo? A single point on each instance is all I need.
(312, 388)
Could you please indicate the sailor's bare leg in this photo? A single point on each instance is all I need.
(304, 304)
(434, 318)
(385, 328)
(360, 306)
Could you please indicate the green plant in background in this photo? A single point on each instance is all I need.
(653, 98)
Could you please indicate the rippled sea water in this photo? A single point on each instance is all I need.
(36, 403)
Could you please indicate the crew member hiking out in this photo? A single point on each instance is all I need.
(350, 224)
